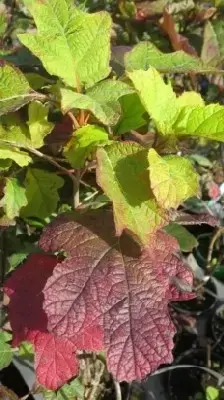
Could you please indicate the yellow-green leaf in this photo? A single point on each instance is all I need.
(157, 97)
(101, 100)
(172, 179)
(14, 198)
(39, 126)
(41, 192)
(122, 174)
(82, 144)
(73, 45)
(207, 121)
(14, 88)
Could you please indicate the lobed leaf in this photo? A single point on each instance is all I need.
(101, 100)
(14, 88)
(186, 240)
(41, 192)
(38, 123)
(122, 174)
(85, 140)
(29, 323)
(130, 120)
(145, 55)
(205, 121)
(186, 115)
(158, 98)
(6, 353)
(14, 198)
(114, 284)
(172, 179)
(74, 46)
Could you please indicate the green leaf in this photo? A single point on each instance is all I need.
(158, 98)
(26, 351)
(130, 120)
(13, 130)
(212, 393)
(172, 178)
(14, 88)
(71, 391)
(71, 44)
(6, 353)
(14, 198)
(145, 55)
(41, 192)
(9, 152)
(5, 164)
(82, 144)
(20, 254)
(101, 100)
(38, 123)
(3, 21)
(186, 240)
(205, 121)
(122, 174)
(37, 81)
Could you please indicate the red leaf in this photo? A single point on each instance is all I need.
(55, 361)
(183, 218)
(112, 282)
(179, 42)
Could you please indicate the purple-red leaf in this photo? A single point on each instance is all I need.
(55, 361)
(112, 283)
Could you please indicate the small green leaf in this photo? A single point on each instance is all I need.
(14, 198)
(71, 44)
(14, 88)
(101, 100)
(186, 240)
(212, 393)
(130, 120)
(122, 174)
(158, 98)
(83, 142)
(5, 164)
(41, 192)
(6, 352)
(145, 55)
(172, 178)
(14, 131)
(71, 391)
(26, 351)
(3, 20)
(13, 153)
(207, 121)
(38, 123)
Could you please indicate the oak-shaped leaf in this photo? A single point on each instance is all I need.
(122, 174)
(145, 54)
(112, 282)
(75, 46)
(172, 179)
(55, 361)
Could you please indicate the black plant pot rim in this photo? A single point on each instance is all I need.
(178, 360)
(177, 304)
